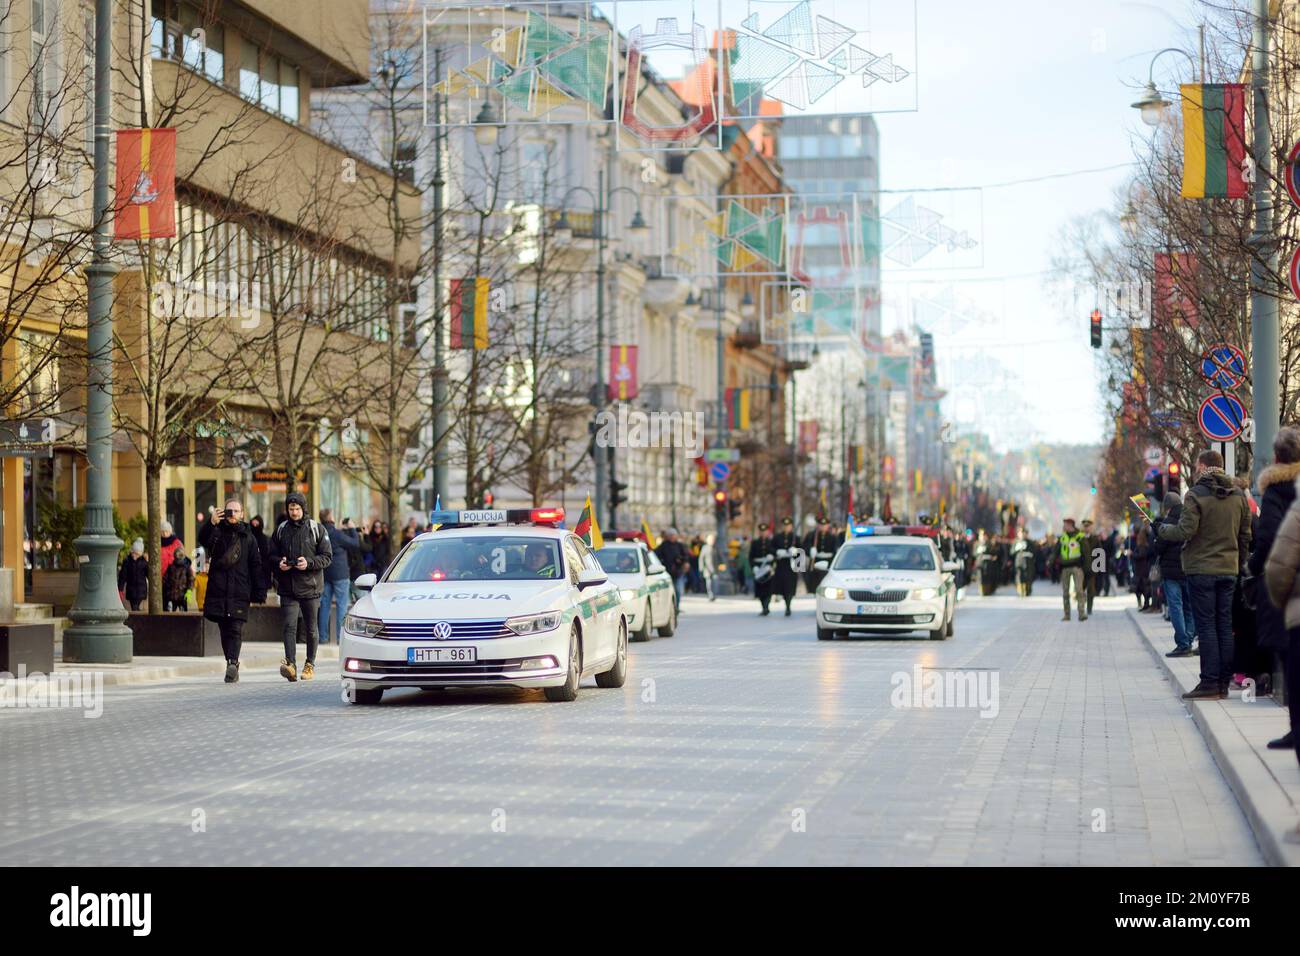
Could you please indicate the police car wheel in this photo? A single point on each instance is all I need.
(646, 625)
(669, 628)
(948, 629)
(616, 675)
(825, 634)
(569, 689)
(366, 696)
(940, 633)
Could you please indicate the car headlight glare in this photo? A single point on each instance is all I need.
(363, 626)
(627, 594)
(925, 594)
(833, 593)
(534, 623)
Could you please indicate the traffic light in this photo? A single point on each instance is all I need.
(733, 509)
(1158, 486)
(1095, 323)
(616, 489)
(720, 503)
(1175, 476)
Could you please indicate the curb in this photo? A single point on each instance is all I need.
(124, 674)
(1260, 795)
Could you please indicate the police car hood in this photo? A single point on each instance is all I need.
(452, 600)
(885, 580)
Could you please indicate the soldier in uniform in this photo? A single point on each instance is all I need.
(787, 547)
(1091, 545)
(762, 561)
(821, 544)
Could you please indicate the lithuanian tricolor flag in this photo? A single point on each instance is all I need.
(146, 184)
(650, 540)
(737, 408)
(469, 312)
(588, 529)
(1214, 144)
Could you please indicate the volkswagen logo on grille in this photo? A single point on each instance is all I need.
(442, 630)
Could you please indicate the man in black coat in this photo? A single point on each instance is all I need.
(300, 553)
(672, 554)
(787, 548)
(762, 561)
(820, 544)
(235, 578)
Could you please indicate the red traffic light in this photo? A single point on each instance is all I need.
(1175, 469)
(719, 497)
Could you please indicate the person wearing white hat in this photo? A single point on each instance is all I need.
(133, 576)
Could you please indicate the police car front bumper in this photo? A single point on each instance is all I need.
(908, 615)
(533, 660)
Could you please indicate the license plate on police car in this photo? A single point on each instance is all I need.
(441, 655)
(877, 609)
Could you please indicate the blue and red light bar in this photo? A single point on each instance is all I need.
(893, 530)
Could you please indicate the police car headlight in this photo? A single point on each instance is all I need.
(925, 594)
(627, 594)
(534, 623)
(363, 626)
(832, 594)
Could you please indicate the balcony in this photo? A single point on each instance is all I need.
(748, 334)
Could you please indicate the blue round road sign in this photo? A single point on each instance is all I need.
(1223, 366)
(1221, 417)
(719, 471)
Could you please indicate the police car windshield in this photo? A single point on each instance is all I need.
(885, 557)
(619, 560)
(478, 558)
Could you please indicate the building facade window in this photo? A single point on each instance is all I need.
(180, 33)
(269, 81)
(45, 65)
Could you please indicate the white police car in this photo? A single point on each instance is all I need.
(888, 578)
(491, 598)
(644, 584)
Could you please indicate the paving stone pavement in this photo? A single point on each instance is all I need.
(739, 741)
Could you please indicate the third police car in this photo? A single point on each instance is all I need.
(648, 598)
(888, 578)
(490, 598)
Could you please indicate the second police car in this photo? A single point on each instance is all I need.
(648, 598)
(490, 598)
(891, 579)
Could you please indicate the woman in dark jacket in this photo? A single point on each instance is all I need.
(1277, 488)
(1141, 555)
(133, 577)
(380, 551)
(258, 528)
(235, 579)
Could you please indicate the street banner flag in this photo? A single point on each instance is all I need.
(146, 184)
(737, 408)
(808, 437)
(469, 312)
(622, 373)
(1214, 140)
(1143, 504)
(588, 529)
(1174, 299)
(650, 541)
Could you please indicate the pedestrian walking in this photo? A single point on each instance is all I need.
(672, 555)
(1070, 559)
(177, 580)
(235, 578)
(1283, 584)
(1023, 557)
(170, 545)
(379, 551)
(709, 565)
(1277, 488)
(133, 576)
(1093, 564)
(337, 587)
(1215, 531)
(787, 553)
(300, 552)
(762, 559)
(1178, 598)
(1141, 570)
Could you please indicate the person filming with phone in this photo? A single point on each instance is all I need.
(235, 578)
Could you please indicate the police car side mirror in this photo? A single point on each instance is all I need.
(589, 577)
(821, 566)
(951, 566)
(366, 582)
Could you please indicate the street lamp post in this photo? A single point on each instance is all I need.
(1263, 306)
(441, 478)
(97, 634)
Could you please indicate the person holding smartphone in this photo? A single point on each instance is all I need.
(300, 552)
(235, 578)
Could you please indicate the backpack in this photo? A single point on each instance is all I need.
(316, 530)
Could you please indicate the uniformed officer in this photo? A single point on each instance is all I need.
(787, 552)
(762, 561)
(537, 559)
(1091, 547)
(821, 544)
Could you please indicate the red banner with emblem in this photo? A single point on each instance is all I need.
(622, 372)
(146, 184)
(808, 437)
(1174, 301)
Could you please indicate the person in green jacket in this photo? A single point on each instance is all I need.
(1215, 530)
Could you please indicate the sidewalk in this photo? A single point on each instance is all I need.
(262, 654)
(1265, 782)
